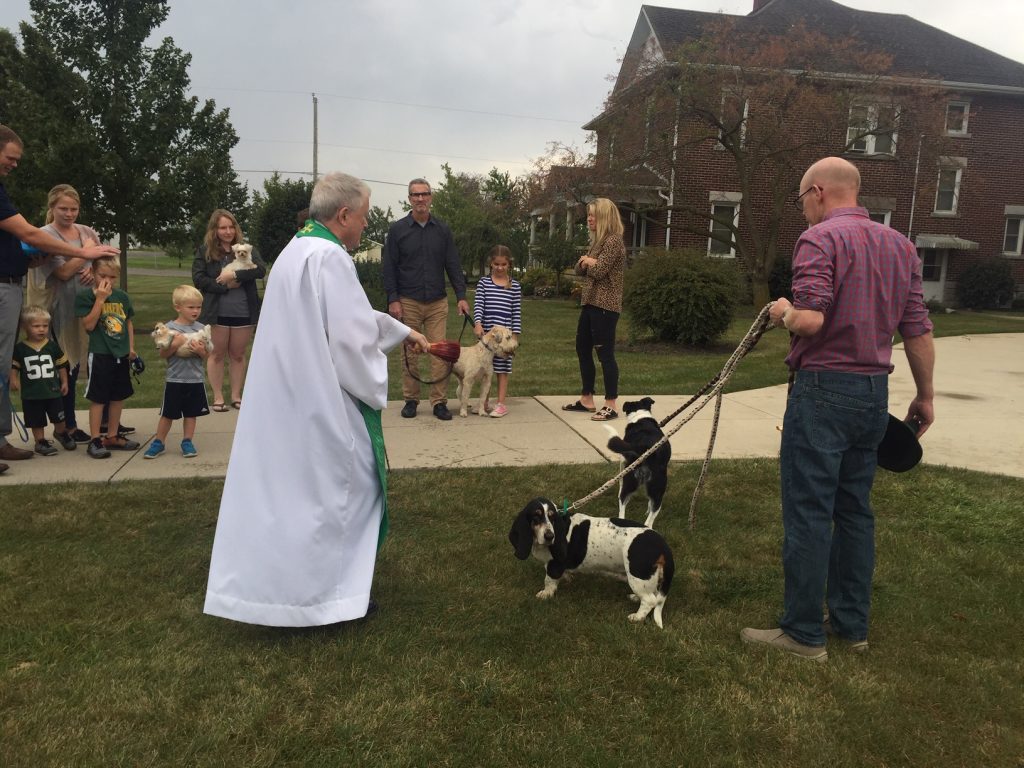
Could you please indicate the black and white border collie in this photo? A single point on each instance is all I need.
(642, 431)
(616, 547)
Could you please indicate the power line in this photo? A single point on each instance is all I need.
(309, 173)
(390, 151)
(402, 104)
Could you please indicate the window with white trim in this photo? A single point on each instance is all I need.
(734, 114)
(882, 217)
(931, 265)
(957, 115)
(1013, 235)
(947, 192)
(872, 129)
(725, 220)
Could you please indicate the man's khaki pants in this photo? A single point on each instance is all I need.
(431, 319)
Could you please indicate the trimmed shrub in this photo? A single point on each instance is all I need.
(985, 285)
(537, 277)
(681, 296)
(371, 277)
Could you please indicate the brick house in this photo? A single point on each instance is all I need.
(963, 205)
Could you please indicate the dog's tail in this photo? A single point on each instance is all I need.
(620, 446)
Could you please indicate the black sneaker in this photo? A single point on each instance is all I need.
(409, 411)
(79, 436)
(96, 449)
(441, 411)
(46, 448)
(66, 440)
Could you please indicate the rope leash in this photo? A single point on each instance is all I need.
(19, 425)
(712, 390)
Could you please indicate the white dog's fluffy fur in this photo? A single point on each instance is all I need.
(243, 259)
(163, 336)
(474, 365)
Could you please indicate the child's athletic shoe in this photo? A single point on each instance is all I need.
(96, 449)
(187, 449)
(45, 448)
(66, 440)
(120, 443)
(499, 411)
(154, 450)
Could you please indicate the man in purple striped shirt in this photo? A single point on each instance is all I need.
(855, 283)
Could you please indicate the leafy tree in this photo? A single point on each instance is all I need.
(377, 222)
(157, 160)
(272, 220)
(482, 211)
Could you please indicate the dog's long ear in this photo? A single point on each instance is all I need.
(521, 535)
(560, 546)
(647, 403)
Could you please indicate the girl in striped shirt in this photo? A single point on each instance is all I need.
(499, 301)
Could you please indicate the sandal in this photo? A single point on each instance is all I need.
(605, 414)
(236, 404)
(578, 407)
(219, 408)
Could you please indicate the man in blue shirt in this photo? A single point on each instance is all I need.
(418, 251)
(14, 263)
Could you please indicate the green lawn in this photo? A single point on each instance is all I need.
(106, 658)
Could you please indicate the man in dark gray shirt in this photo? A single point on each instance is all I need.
(418, 251)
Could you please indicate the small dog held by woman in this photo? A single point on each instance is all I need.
(616, 547)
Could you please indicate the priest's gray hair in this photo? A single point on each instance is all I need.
(335, 191)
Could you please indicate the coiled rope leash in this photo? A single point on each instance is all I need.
(713, 389)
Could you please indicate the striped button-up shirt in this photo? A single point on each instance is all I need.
(865, 278)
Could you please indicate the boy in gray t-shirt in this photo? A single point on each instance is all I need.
(184, 390)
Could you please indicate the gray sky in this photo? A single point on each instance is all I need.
(406, 85)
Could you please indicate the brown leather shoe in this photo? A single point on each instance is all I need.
(9, 453)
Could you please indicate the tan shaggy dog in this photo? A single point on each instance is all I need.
(474, 365)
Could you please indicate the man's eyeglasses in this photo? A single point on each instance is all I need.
(799, 198)
(419, 194)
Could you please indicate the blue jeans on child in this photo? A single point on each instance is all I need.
(834, 422)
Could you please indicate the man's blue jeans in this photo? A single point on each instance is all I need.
(833, 425)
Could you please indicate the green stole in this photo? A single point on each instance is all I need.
(371, 417)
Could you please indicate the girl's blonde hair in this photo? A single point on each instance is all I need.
(607, 219)
(33, 312)
(211, 242)
(55, 194)
(500, 252)
(184, 293)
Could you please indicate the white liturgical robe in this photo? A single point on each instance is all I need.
(297, 535)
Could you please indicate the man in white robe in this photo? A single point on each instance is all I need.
(304, 507)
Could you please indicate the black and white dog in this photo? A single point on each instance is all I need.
(642, 431)
(623, 549)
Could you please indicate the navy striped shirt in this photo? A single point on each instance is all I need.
(498, 305)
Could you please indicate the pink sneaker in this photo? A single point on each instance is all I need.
(499, 411)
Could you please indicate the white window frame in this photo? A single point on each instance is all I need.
(963, 130)
(949, 165)
(1014, 213)
(724, 199)
(726, 95)
(885, 214)
(868, 144)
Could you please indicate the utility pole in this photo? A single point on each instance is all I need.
(315, 176)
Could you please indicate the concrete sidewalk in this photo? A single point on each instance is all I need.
(979, 405)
